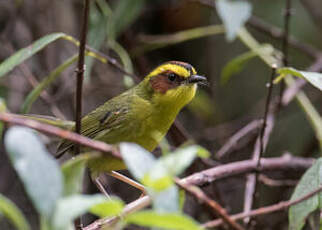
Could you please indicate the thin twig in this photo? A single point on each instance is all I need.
(65, 134)
(79, 87)
(44, 95)
(80, 72)
(275, 183)
(286, 162)
(128, 209)
(251, 192)
(265, 210)
(277, 33)
(217, 208)
(259, 148)
(267, 105)
(285, 42)
(34, 82)
(232, 141)
(113, 62)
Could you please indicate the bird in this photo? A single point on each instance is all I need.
(142, 114)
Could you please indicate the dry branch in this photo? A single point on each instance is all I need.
(65, 134)
(232, 141)
(216, 207)
(265, 210)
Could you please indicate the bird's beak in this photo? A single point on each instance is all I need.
(197, 79)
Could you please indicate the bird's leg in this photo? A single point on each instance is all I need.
(99, 185)
(129, 181)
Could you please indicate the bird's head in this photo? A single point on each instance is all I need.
(174, 82)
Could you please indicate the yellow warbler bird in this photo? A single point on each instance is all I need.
(142, 114)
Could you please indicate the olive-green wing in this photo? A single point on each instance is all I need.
(103, 119)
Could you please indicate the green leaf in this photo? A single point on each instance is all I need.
(160, 175)
(10, 211)
(3, 108)
(234, 14)
(166, 200)
(311, 180)
(68, 208)
(126, 62)
(138, 160)
(176, 162)
(312, 77)
(73, 172)
(37, 169)
(112, 207)
(182, 199)
(23, 54)
(163, 220)
(235, 66)
(160, 183)
(34, 94)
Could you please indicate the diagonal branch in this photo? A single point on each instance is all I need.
(65, 134)
(217, 208)
(232, 141)
(265, 210)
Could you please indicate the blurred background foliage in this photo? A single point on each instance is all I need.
(119, 28)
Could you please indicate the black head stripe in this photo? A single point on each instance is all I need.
(182, 64)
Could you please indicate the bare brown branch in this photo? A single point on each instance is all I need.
(265, 210)
(284, 163)
(65, 134)
(274, 183)
(216, 207)
(277, 33)
(232, 141)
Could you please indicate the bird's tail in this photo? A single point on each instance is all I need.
(64, 124)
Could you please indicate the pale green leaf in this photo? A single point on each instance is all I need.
(138, 160)
(37, 169)
(163, 220)
(312, 77)
(234, 14)
(3, 108)
(73, 171)
(235, 66)
(68, 208)
(112, 207)
(176, 162)
(311, 180)
(9, 210)
(23, 54)
(166, 200)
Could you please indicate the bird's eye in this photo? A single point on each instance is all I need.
(172, 76)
